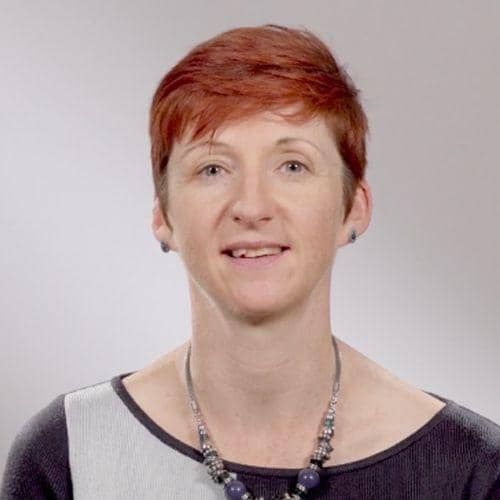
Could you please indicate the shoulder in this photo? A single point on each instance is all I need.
(466, 425)
(477, 437)
(38, 462)
(471, 441)
(399, 405)
(458, 444)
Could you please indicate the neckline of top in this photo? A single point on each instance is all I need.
(167, 438)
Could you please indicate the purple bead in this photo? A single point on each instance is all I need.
(308, 478)
(235, 490)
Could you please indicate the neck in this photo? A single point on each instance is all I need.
(263, 379)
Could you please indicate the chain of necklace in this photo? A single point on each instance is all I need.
(307, 479)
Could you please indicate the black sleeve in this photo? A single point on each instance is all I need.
(491, 474)
(37, 463)
(494, 493)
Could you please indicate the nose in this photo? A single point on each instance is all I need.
(252, 201)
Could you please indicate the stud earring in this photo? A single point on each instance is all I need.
(353, 236)
(164, 247)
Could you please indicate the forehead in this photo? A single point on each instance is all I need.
(266, 128)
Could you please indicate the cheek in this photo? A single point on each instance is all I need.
(192, 229)
(319, 224)
(320, 232)
(321, 210)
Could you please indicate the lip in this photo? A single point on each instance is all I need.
(257, 262)
(236, 245)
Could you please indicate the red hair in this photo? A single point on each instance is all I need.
(248, 70)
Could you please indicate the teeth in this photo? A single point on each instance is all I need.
(255, 252)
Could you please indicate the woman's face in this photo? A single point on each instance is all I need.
(265, 179)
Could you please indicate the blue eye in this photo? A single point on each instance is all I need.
(294, 162)
(212, 165)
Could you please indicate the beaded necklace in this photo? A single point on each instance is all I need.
(307, 479)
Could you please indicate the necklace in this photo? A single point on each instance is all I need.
(308, 478)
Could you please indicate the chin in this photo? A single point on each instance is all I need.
(259, 307)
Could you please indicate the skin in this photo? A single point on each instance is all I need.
(262, 357)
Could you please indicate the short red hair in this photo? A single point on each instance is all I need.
(248, 70)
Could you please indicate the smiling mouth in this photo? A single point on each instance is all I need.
(244, 257)
(264, 261)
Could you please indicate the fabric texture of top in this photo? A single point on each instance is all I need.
(97, 443)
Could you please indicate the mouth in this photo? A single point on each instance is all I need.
(253, 262)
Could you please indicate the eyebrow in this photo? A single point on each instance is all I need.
(280, 142)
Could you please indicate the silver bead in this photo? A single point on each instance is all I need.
(301, 487)
(325, 443)
(326, 433)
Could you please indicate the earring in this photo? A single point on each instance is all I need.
(164, 247)
(353, 236)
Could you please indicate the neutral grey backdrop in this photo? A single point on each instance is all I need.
(86, 292)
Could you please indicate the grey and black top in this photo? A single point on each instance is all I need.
(96, 443)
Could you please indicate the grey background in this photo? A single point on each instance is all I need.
(86, 292)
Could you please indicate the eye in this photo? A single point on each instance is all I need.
(210, 168)
(300, 165)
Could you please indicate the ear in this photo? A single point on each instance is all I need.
(161, 229)
(360, 214)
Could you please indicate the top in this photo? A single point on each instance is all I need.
(97, 443)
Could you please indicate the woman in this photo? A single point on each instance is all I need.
(258, 152)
